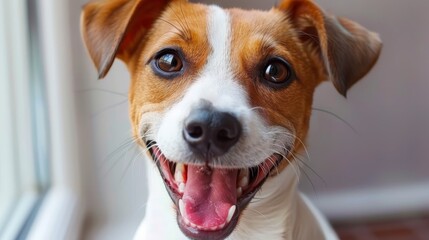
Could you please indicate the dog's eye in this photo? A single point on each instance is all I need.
(169, 62)
(277, 72)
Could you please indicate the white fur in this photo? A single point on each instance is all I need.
(217, 84)
(160, 219)
(278, 211)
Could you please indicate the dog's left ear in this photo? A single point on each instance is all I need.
(348, 50)
(113, 28)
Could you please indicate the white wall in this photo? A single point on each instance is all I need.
(389, 109)
(114, 185)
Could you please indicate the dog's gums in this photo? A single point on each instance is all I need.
(209, 200)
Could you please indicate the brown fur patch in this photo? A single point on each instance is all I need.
(297, 31)
(183, 26)
(270, 34)
(110, 29)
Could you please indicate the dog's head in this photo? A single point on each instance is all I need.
(221, 97)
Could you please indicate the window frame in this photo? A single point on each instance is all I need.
(45, 201)
(62, 212)
(16, 157)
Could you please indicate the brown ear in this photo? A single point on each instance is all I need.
(112, 28)
(347, 49)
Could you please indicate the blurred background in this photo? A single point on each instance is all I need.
(68, 169)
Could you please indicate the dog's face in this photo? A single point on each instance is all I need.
(223, 97)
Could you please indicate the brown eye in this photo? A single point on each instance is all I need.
(169, 62)
(277, 72)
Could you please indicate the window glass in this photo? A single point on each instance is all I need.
(24, 160)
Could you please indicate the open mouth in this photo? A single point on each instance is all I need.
(209, 200)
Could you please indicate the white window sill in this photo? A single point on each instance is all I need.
(60, 217)
(21, 211)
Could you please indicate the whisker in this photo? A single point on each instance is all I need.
(126, 169)
(337, 117)
(103, 90)
(299, 161)
(108, 108)
(306, 175)
(120, 148)
(302, 142)
(293, 165)
(311, 169)
(131, 162)
(116, 162)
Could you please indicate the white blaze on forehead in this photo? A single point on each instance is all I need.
(219, 36)
(216, 84)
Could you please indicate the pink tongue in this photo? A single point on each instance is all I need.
(208, 195)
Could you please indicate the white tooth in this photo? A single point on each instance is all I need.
(244, 173)
(213, 228)
(230, 214)
(178, 174)
(182, 209)
(221, 226)
(181, 187)
(180, 167)
(239, 192)
(178, 177)
(186, 221)
(193, 225)
(244, 182)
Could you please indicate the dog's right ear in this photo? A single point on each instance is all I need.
(113, 28)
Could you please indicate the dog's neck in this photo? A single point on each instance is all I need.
(272, 212)
(276, 212)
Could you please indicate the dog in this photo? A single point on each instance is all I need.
(220, 102)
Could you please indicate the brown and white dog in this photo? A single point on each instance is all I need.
(222, 99)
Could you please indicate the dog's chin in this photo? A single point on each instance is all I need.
(209, 200)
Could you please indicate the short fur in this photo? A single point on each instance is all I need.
(223, 49)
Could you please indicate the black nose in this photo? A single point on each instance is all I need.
(211, 133)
